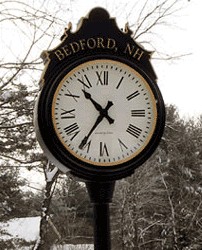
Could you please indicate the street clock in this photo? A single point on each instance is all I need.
(100, 113)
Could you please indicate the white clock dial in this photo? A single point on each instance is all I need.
(104, 112)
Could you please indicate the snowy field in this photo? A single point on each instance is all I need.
(28, 229)
(21, 228)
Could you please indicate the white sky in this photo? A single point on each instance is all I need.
(179, 80)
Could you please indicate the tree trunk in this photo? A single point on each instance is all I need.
(44, 243)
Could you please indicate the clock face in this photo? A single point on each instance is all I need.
(104, 112)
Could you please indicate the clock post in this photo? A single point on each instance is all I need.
(101, 195)
(100, 114)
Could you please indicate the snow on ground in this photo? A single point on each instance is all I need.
(28, 229)
(21, 228)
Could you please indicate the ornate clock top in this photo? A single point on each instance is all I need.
(97, 33)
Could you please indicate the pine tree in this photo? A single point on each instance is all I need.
(11, 195)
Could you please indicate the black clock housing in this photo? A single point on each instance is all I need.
(98, 37)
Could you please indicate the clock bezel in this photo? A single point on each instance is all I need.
(77, 166)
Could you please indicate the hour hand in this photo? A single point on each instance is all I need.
(103, 112)
(88, 96)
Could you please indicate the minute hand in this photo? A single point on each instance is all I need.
(85, 139)
(99, 107)
(103, 114)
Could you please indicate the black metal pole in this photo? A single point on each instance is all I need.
(101, 194)
(102, 237)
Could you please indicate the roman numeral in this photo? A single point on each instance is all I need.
(72, 130)
(102, 77)
(85, 81)
(119, 83)
(103, 149)
(67, 114)
(133, 95)
(75, 97)
(138, 113)
(133, 130)
(122, 145)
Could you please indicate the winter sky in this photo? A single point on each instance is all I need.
(179, 80)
